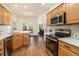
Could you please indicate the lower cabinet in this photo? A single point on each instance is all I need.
(19, 40)
(65, 52)
(1, 48)
(26, 39)
(16, 41)
(66, 49)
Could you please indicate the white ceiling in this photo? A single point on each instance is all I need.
(36, 9)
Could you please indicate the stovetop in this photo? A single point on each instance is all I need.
(55, 36)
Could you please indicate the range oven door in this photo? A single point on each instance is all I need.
(52, 45)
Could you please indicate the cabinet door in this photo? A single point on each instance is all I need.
(0, 14)
(54, 12)
(61, 8)
(1, 48)
(72, 11)
(25, 39)
(49, 18)
(64, 52)
(5, 16)
(14, 42)
(50, 15)
(10, 18)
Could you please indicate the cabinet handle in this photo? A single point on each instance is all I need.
(0, 49)
(0, 54)
(67, 46)
(0, 43)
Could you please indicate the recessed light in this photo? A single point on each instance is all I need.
(25, 6)
(16, 5)
(43, 4)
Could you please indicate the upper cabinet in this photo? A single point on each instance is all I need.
(9, 18)
(72, 13)
(50, 15)
(5, 16)
(49, 18)
(61, 8)
(1, 14)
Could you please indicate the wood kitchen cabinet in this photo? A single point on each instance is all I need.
(1, 14)
(72, 13)
(19, 40)
(61, 8)
(49, 18)
(50, 15)
(16, 41)
(66, 49)
(56, 12)
(65, 52)
(1, 48)
(5, 16)
(9, 18)
(26, 39)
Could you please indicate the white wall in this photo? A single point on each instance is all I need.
(33, 22)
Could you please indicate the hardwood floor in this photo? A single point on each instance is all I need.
(37, 47)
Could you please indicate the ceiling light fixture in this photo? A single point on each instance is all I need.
(28, 14)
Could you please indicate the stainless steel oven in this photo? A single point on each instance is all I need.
(52, 45)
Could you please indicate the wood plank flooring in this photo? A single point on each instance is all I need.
(37, 47)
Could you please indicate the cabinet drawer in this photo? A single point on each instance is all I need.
(69, 47)
(1, 51)
(65, 52)
(1, 48)
(1, 44)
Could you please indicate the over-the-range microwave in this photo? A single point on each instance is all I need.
(59, 20)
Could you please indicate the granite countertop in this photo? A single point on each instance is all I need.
(21, 31)
(71, 40)
(3, 36)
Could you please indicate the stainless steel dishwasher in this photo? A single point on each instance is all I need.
(8, 46)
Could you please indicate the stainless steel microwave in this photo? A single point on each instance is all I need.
(59, 20)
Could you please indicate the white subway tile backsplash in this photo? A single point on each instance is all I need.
(74, 28)
(5, 29)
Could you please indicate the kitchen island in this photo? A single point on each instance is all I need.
(14, 41)
(20, 39)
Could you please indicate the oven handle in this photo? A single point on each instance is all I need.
(52, 39)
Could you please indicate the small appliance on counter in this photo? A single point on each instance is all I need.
(75, 36)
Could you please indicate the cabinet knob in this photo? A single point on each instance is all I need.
(67, 46)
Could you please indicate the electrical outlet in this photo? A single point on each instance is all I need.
(76, 35)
